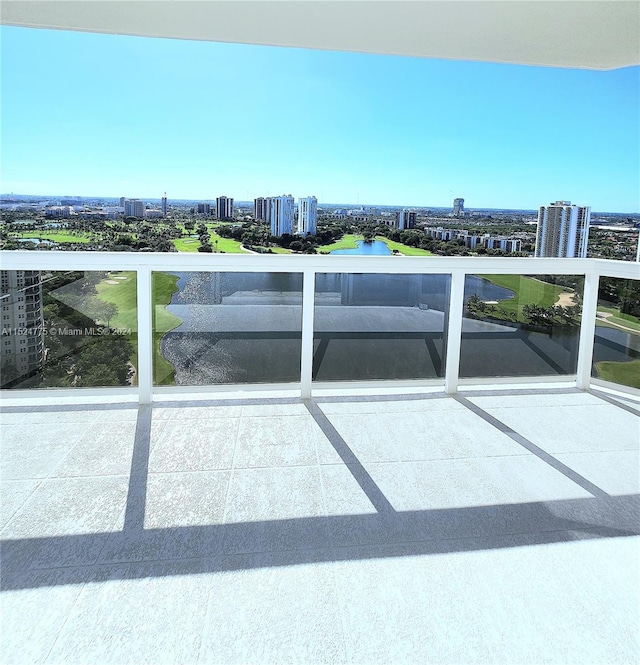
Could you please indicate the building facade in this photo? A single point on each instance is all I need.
(204, 208)
(224, 207)
(22, 350)
(134, 208)
(405, 219)
(458, 207)
(164, 205)
(281, 212)
(563, 230)
(307, 215)
(260, 209)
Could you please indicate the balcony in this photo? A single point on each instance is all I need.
(441, 518)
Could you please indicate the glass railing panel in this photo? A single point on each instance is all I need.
(379, 326)
(68, 329)
(226, 328)
(616, 350)
(520, 325)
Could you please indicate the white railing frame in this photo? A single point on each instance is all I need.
(309, 265)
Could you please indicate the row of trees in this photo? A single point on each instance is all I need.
(532, 313)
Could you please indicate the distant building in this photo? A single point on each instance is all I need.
(204, 208)
(224, 207)
(405, 219)
(164, 205)
(22, 350)
(134, 208)
(122, 200)
(63, 212)
(307, 215)
(260, 209)
(280, 210)
(458, 207)
(563, 230)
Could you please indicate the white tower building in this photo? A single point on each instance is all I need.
(280, 211)
(563, 230)
(307, 215)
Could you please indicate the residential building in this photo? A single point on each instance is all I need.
(458, 207)
(164, 205)
(405, 219)
(563, 230)
(307, 215)
(204, 208)
(134, 208)
(224, 207)
(22, 349)
(260, 209)
(280, 210)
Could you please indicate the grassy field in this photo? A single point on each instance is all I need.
(226, 245)
(163, 286)
(527, 291)
(347, 241)
(617, 317)
(405, 250)
(124, 296)
(54, 236)
(624, 373)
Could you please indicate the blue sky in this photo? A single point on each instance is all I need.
(86, 114)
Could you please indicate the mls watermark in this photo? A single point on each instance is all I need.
(58, 331)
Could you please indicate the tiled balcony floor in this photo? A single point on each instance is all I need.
(492, 527)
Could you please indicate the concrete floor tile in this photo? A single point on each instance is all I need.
(389, 406)
(342, 493)
(103, 449)
(198, 445)
(13, 494)
(569, 429)
(551, 399)
(279, 614)
(34, 451)
(33, 617)
(150, 613)
(185, 499)
(615, 471)
(271, 410)
(71, 506)
(277, 441)
(206, 412)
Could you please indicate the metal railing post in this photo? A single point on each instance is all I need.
(454, 332)
(306, 359)
(145, 336)
(587, 330)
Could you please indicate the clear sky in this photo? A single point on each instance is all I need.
(104, 115)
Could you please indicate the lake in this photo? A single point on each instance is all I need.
(375, 248)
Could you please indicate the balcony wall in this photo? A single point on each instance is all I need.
(347, 321)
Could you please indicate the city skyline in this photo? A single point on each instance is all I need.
(139, 116)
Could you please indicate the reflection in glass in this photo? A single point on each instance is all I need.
(616, 351)
(220, 328)
(68, 329)
(517, 325)
(379, 326)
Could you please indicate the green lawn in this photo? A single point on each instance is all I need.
(527, 291)
(54, 236)
(623, 373)
(163, 286)
(124, 296)
(404, 249)
(347, 241)
(226, 245)
(626, 320)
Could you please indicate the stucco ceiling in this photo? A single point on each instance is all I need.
(593, 34)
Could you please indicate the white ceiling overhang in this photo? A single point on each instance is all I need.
(591, 34)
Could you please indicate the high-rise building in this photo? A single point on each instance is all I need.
(563, 230)
(405, 219)
(22, 349)
(280, 211)
(458, 207)
(134, 208)
(260, 209)
(204, 208)
(224, 207)
(307, 215)
(164, 205)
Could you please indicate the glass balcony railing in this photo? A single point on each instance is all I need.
(172, 322)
